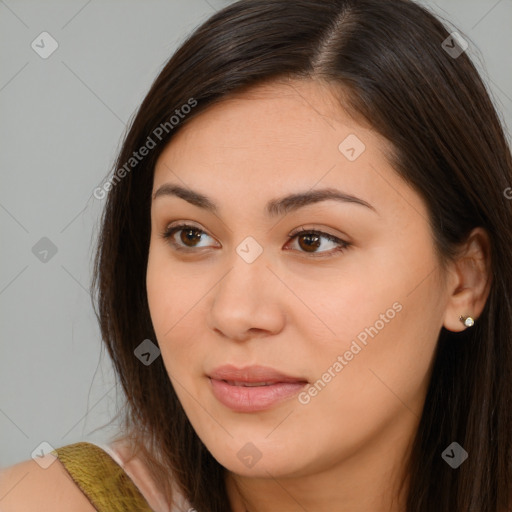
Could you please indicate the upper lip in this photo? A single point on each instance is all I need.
(255, 373)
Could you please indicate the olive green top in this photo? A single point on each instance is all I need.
(103, 481)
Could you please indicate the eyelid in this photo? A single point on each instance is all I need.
(317, 229)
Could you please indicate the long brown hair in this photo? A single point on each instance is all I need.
(388, 61)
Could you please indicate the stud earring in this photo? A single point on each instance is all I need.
(467, 321)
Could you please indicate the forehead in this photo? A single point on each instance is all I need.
(296, 126)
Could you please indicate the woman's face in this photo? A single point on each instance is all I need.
(346, 321)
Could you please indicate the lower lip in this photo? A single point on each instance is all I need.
(254, 398)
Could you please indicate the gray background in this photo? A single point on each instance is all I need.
(62, 120)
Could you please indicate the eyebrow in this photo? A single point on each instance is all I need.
(275, 207)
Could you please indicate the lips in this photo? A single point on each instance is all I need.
(252, 375)
(254, 388)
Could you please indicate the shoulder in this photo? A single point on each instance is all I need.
(28, 486)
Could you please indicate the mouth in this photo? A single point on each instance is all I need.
(253, 388)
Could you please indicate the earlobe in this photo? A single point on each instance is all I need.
(470, 282)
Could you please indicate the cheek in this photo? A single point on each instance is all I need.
(387, 337)
(379, 381)
(176, 294)
(164, 290)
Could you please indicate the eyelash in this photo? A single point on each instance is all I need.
(169, 232)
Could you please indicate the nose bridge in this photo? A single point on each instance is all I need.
(248, 268)
(243, 299)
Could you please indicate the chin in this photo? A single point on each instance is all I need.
(260, 459)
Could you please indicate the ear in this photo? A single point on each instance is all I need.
(469, 281)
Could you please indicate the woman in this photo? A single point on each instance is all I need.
(304, 275)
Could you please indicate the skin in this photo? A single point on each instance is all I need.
(345, 449)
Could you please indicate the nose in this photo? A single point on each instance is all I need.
(248, 301)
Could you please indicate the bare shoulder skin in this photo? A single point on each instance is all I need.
(27, 486)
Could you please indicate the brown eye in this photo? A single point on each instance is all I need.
(188, 238)
(310, 241)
